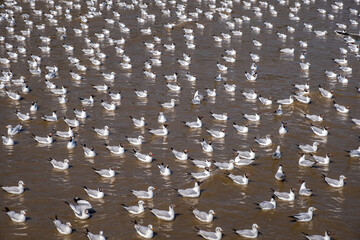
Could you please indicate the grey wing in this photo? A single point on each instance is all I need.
(301, 216)
(13, 189)
(208, 235)
(332, 181)
(160, 213)
(246, 232)
(200, 214)
(282, 194)
(266, 204)
(141, 229)
(188, 191)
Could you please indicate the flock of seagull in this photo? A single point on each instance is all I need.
(17, 90)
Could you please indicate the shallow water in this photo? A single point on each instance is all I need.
(48, 188)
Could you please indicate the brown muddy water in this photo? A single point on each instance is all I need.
(47, 188)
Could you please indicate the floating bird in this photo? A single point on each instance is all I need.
(94, 193)
(203, 216)
(268, 205)
(334, 182)
(277, 154)
(61, 227)
(305, 216)
(107, 173)
(318, 237)
(145, 232)
(137, 209)
(93, 236)
(16, 217)
(280, 175)
(191, 192)
(164, 214)
(249, 233)
(59, 164)
(217, 235)
(147, 158)
(285, 196)
(144, 194)
(304, 191)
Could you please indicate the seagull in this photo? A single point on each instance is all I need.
(115, 96)
(161, 118)
(225, 165)
(161, 131)
(322, 132)
(216, 133)
(309, 148)
(80, 114)
(163, 214)
(201, 163)
(303, 190)
(264, 141)
(16, 217)
(145, 232)
(135, 141)
(242, 180)
(44, 140)
(207, 147)
(147, 158)
(94, 193)
(249, 233)
(201, 175)
(164, 170)
(305, 163)
(59, 164)
(246, 154)
(80, 210)
(138, 122)
(304, 216)
(280, 175)
(107, 173)
(11, 131)
(321, 160)
(89, 152)
(221, 117)
(286, 101)
(318, 237)
(341, 108)
(71, 143)
(22, 116)
(325, 93)
(92, 236)
(115, 149)
(283, 128)
(285, 196)
(334, 182)
(191, 192)
(169, 105)
(71, 122)
(265, 101)
(267, 205)
(217, 235)
(196, 124)
(354, 152)
(141, 94)
(61, 227)
(108, 106)
(144, 194)
(203, 216)
(252, 117)
(7, 141)
(137, 209)
(241, 129)
(102, 131)
(279, 111)
(277, 154)
(50, 118)
(183, 156)
(314, 118)
(64, 134)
